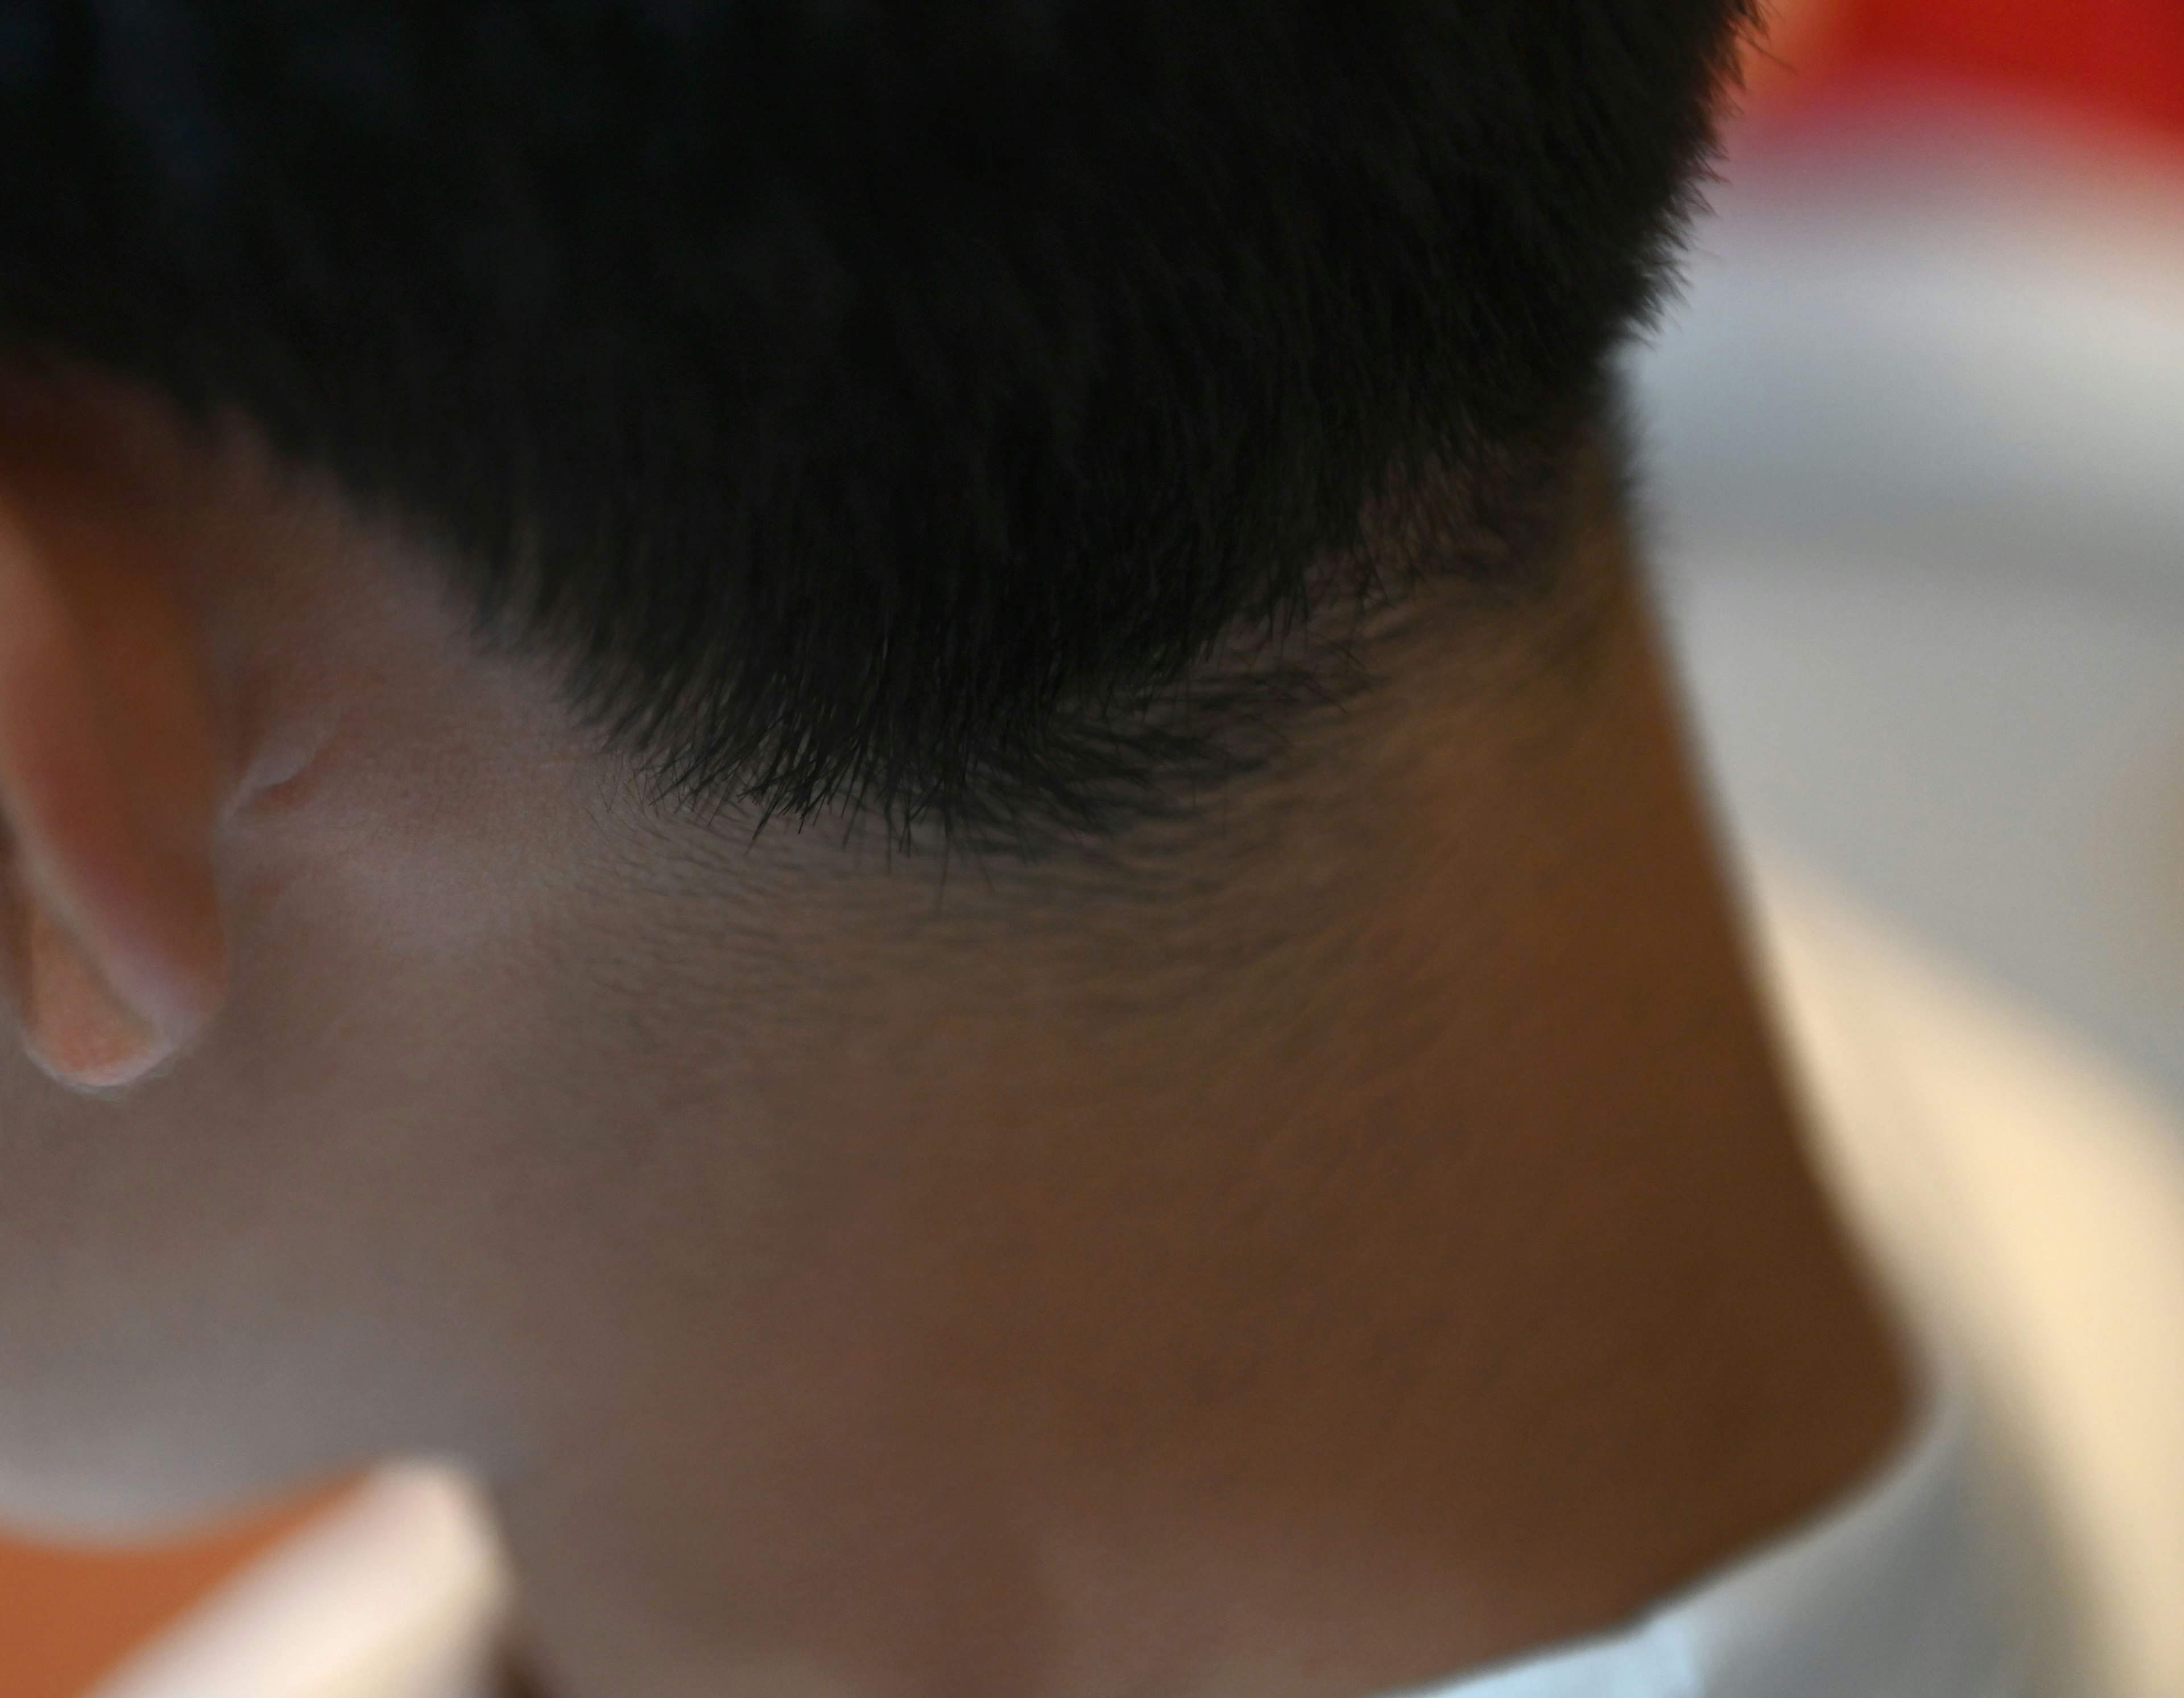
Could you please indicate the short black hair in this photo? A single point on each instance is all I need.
(871, 402)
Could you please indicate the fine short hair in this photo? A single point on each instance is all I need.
(879, 405)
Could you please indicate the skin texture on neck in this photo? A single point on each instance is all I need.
(1341, 1238)
(1392, 1255)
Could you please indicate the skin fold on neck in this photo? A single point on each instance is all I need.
(1398, 1257)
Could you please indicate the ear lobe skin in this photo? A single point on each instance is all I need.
(106, 785)
(73, 1026)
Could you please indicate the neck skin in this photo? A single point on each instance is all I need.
(1403, 1261)
(1346, 1238)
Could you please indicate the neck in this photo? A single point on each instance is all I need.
(1435, 1276)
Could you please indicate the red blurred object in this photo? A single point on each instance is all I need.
(2118, 60)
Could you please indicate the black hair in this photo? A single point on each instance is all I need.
(873, 402)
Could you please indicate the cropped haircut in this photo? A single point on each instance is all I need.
(878, 404)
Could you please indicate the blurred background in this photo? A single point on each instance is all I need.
(1917, 445)
(1916, 442)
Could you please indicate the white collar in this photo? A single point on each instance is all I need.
(1890, 1596)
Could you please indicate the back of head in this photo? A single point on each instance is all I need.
(878, 404)
(452, 452)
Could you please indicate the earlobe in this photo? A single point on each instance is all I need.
(74, 1025)
(106, 783)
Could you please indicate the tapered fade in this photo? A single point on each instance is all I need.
(882, 405)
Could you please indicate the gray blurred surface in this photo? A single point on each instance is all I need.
(1917, 452)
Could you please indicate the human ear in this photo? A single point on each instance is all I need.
(109, 779)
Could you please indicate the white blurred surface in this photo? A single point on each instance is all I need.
(397, 1592)
(1917, 454)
